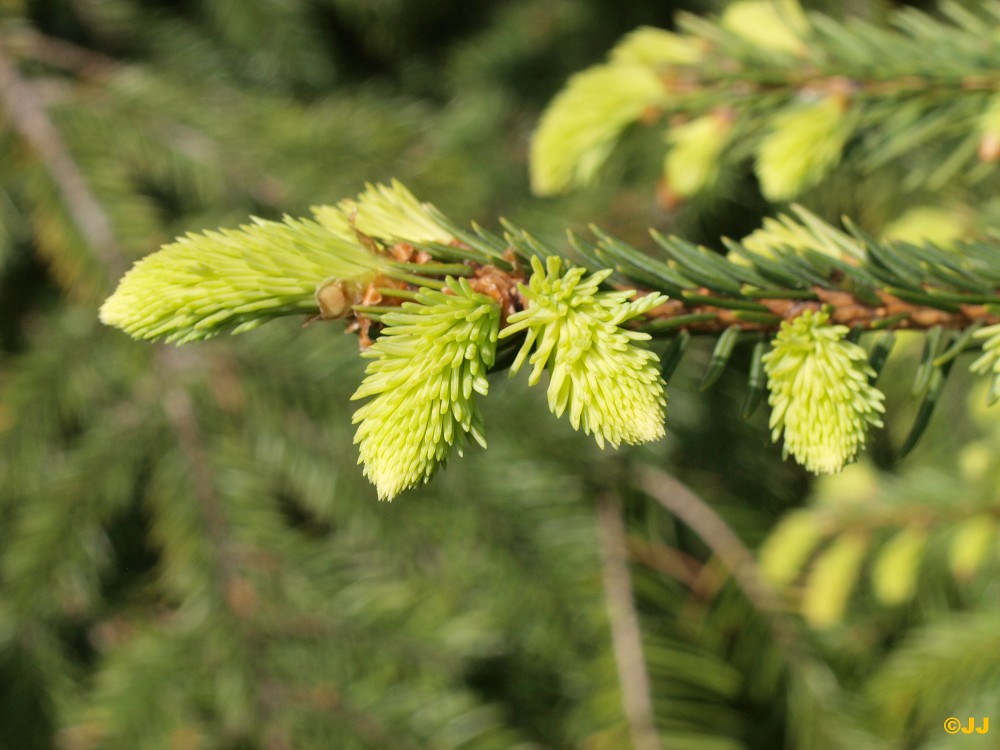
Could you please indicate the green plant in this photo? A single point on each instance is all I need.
(187, 559)
(812, 293)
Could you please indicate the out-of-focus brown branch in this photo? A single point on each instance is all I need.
(626, 637)
(668, 561)
(238, 593)
(30, 120)
(183, 422)
(729, 548)
(82, 62)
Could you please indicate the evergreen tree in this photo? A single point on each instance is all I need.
(190, 555)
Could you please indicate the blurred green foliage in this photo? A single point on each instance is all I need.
(189, 555)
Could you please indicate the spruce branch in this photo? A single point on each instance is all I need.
(439, 299)
(789, 88)
(818, 555)
(224, 581)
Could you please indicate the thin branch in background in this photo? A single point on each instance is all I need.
(28, 116)
(679, 500)
(626, 637)
(240, 597)
(183, 421)
(668, 561)
(82, 62)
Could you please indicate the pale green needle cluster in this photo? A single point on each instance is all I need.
(777, 25)
(803, 234)
(430, 359)
(928, 225)
(233, 280)
(609, 383)
(695, 147)
(783, 232)
(989, 361)
(581, 126)
(655, 47)
(384, 212)
(805, 143)
(820, 394)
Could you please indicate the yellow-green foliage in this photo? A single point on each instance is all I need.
(610, 384)
(388, 212)
(783, 232)
(805, 142)
(821, 399)
(832, 580)
(429, 361)
(692, 162)
(581, 125)
(233, 280)
(775, 25)
(894, 574)
(656, 47)
(902, 521)
(971, 542)
(920, 225)
(784, 554)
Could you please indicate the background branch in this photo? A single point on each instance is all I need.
(32, 122)
(626, 636)
(679, 500)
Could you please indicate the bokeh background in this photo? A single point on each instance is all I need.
(190, 558)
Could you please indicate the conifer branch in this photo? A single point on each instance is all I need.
(790, 89)
(819, 554)
(211, 587)
(445, 301)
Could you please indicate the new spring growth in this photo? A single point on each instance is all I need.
(432, 356)
(821, 399)
(989, 361)
(610, 385)
(233, 280)
(389, 212)
(692, 162)
(776, 25)
(806, 141)
(580, 127)
(656, 48)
